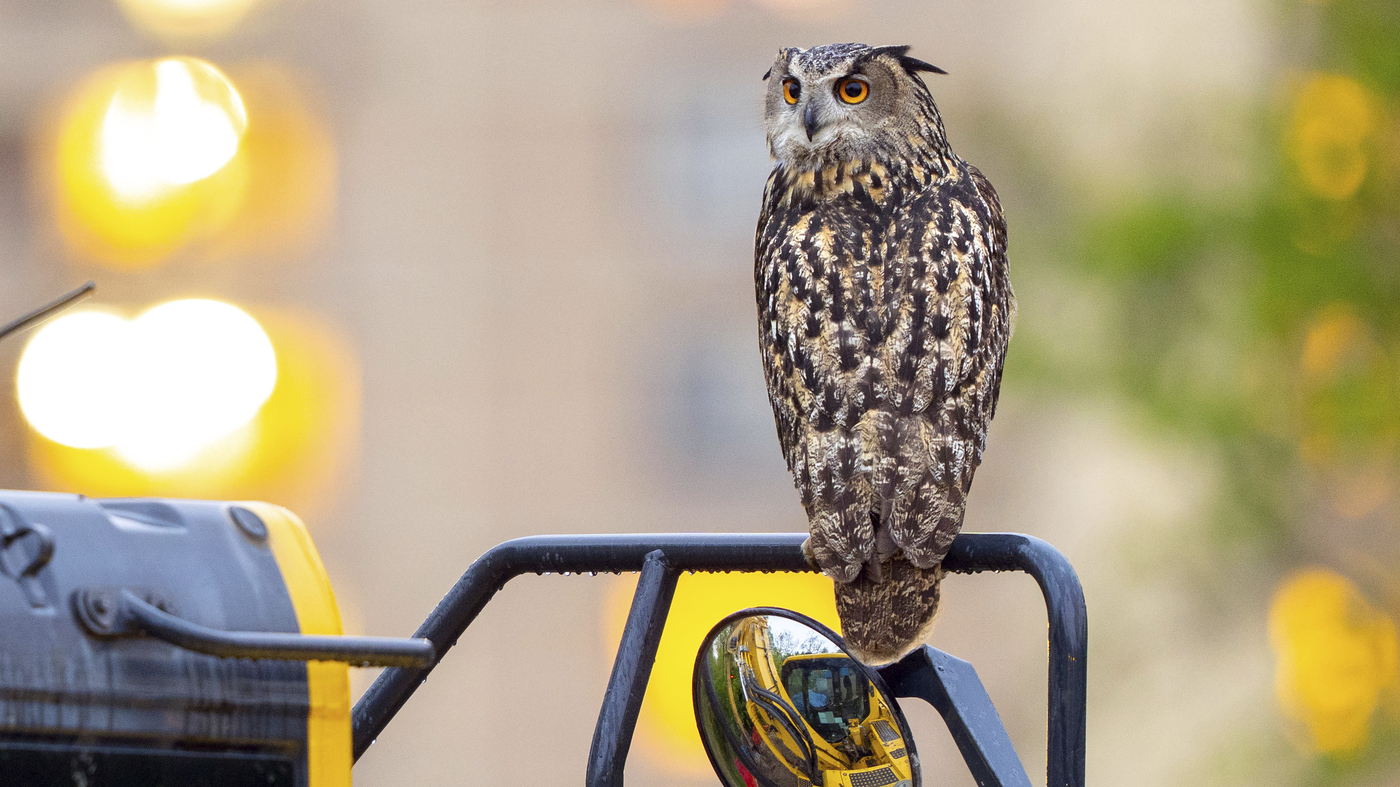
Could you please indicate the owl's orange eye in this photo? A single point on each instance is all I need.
(791, 91)
(852, 91)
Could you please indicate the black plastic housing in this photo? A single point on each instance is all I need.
(111, 708)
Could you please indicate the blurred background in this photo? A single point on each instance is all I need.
(436, 275)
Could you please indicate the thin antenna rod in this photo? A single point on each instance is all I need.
(48, 310)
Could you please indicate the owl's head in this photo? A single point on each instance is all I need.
(842, 102)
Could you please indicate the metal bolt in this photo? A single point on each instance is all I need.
(250, 523)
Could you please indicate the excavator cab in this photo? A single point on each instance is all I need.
(830, 692)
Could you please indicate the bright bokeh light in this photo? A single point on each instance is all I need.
(65, 378)
(188, 130)
(201, 370)
(146, 161)
(666, 727)
(186, 19)
(1337, 654)
(158, 389)
(296, 450)
(161, 160)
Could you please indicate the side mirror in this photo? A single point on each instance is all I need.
(780, 703)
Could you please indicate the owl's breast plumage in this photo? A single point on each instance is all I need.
(885, 308)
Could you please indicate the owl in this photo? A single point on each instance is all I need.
(885, 308)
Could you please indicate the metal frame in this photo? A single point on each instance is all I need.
(952, 687)
(636, 654)
(661, 557)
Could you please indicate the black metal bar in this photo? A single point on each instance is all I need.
(617, 719)
(47, 310)
(951, 685)
(1069, 637)
(970, 553)
(136, 616)
(558, 554)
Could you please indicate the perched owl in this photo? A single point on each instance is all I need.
(884, 309)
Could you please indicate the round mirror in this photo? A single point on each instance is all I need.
(780, 703)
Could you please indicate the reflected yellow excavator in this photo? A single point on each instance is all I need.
(817, 713)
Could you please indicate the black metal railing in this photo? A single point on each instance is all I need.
(661, 557)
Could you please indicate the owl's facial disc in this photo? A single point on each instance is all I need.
(825, 111)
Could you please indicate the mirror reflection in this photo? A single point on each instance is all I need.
(780, 703)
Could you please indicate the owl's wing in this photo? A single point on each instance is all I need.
(820, 334)
(771, 257)
(951, 316)
(815, 364)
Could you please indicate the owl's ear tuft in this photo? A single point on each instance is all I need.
(895, 52)
(767, 74)
(913, 64)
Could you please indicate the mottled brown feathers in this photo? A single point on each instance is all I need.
(881, 618)
(884, 313)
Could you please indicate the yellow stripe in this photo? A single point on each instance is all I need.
(328, 724)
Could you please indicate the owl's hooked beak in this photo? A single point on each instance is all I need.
(810, 121)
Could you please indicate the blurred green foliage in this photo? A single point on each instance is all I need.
(1268, 325)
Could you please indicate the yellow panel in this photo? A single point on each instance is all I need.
(328, 752)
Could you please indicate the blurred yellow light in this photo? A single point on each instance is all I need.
(146, 160)
(66, 375)
(666, 730)
(294, 451)
(159, 160)
(201, 370)
(185, 19)
(152, 143)
(158, 389)
(1331, 337)
(1336, 654)
(1334, 119)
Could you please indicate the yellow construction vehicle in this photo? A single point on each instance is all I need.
(816, 713)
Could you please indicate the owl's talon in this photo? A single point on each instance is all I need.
(807, 554)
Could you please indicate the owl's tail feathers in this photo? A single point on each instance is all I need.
(883, 621)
